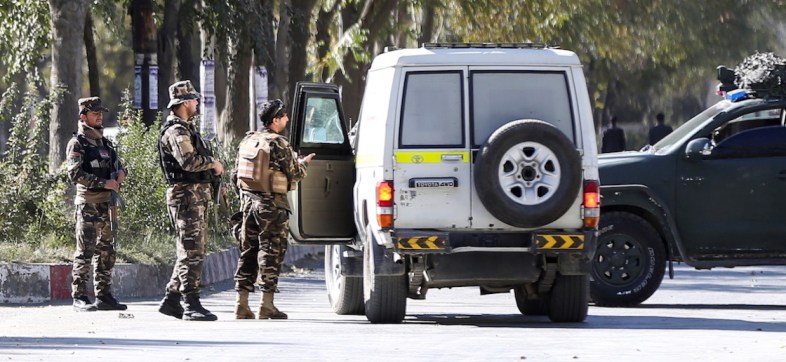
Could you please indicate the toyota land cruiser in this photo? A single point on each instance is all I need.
(472, 165)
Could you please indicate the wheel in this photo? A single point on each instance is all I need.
(629, 262)
(385, 296)
(569, 299)
(344, 293)
(528, 173)
(533, 307)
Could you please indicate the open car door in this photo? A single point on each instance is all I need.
(322, 206)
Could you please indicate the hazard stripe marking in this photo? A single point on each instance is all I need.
(559, 242)
(421, 243)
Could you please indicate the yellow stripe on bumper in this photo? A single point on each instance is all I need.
(421, 243)
(559, 242)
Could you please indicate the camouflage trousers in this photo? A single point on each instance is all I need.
(93, 249)
(263, 243)
(190, 222)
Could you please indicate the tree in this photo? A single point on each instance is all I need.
(67, 24)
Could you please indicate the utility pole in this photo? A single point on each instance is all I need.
(145, 40)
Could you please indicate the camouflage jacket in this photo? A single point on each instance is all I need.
(176, 141)
(283, 158)
(89, 187)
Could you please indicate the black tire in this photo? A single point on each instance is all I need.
(385, 296)
(344, 293)
(569, 301)
(629, 262)
(522, 190)
(531, 307)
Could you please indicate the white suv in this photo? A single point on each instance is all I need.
(472, 165)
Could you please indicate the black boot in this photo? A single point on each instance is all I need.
(83, 304)
(194, 310)
(170, 305)
(108, 302)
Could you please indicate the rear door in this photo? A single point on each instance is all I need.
(431, 156)
(322, 203)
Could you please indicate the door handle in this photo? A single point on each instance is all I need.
(327, 185)
(452, 157)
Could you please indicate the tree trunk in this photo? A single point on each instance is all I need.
(323, 38)
(374, 16)
(234, 119)
(92, 61)
(267, 55)
(167, 50)
(299, 35)
(281, 84)
(187, 40)
(68, 26)
(427, 23)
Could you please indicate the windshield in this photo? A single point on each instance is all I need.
(689, 126)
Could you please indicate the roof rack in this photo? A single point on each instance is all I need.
(489, 45)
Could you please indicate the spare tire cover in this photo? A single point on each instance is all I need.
(528, 173)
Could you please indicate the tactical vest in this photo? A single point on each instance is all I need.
(98, 160)
(253, 165)
(173, 173)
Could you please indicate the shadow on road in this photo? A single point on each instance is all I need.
(599, 322)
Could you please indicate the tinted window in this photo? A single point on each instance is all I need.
(501, 97)
(432, 110)
(758, 142)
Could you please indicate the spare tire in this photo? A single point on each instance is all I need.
(528, 173)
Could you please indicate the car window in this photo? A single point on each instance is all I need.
(322, 124)
(432, 110)
(758, 142)
(501, 97)
(689, 126)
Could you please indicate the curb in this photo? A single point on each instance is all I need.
(22, 283)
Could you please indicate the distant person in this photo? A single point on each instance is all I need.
(660, 130)
(93, 165)
(613, 138)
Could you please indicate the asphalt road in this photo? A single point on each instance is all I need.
(720, 315)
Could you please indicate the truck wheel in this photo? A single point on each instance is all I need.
(344, 292)
(569, 301)
(385, 296)
(533, 307)
(629, 262)
(528, 173)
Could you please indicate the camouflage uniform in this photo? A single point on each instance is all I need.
(187, 201)
(264, 230)
(90, 159)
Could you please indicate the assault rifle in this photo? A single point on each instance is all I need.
(115, 201)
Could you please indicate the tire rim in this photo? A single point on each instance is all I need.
(619, 260)
(335, 267)
(529, 173)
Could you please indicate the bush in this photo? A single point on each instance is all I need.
(38, 215)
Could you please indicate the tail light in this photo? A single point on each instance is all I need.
(385, 204)
(591, 206)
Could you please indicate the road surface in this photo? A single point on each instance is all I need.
(719, 315)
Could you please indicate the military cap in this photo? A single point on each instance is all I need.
(180, 92)
(91, 104)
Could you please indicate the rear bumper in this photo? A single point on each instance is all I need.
(423, 241)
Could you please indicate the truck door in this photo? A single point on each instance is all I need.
(322, 210)
(431, 155)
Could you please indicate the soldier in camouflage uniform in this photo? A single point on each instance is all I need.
(263, 236)
(188, 167)
(93, 165)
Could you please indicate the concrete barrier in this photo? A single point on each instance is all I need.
(22, 283)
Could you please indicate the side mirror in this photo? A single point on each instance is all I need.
(697, 148)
